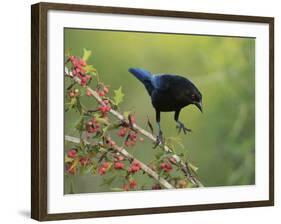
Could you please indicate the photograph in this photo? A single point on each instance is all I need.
(153, 111)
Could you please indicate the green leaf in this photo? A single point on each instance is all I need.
(126, 114)
(101, 149)
(90, 69)
(113, 126)
(67, 52)
(67, 159)
(79, 106)
(86, 169)
(82, 146)
(86, 54)
(107, 181)
(161, 158)
(83, 91)
(98, 135)
(118, 97)
(71, 85)
(171, 141)
(101, 120)
(159, 154)
(116, 189)
(94, 149)
(79, 125)
(71, 102)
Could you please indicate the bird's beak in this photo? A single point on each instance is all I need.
(199, 106)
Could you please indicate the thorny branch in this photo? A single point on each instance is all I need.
(183, 165)
(131, 158)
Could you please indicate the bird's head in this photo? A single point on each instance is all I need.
(195, 98)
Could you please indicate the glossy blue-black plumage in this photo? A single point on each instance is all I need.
(169, 93)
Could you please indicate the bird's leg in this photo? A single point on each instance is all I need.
(159, 138)
(180, 125)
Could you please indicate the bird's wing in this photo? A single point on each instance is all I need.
(161, 82)
(173, 85)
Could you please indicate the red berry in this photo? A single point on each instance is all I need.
(136, 163)
(135, 166)
(77, 70)
(91, 130)
(118, 165)
(92, 126)
(102, 170)
(72, 153)
(133, 184)
(71, 94)
(101, 93)
(82, 62)
(88, 93)
(84, 81)
(168, 166)
(133, 136)
(75, 61)
(105, 89)
(84, 161)
(74, 72)
(104, 108)
(120, 158)
(105, 165)
(111, 142)
(122, 132)
(71, 58)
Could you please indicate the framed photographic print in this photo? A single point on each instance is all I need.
(139, 111)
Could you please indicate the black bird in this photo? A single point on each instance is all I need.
(169, 93)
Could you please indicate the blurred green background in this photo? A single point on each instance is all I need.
(222, 144)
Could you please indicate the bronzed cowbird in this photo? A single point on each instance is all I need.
(169, 93)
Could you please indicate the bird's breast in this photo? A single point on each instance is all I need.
(164, 101)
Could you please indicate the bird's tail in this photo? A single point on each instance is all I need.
(141, 74)
(145, 77)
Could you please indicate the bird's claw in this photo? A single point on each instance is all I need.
(159, 140)
(181, 127)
